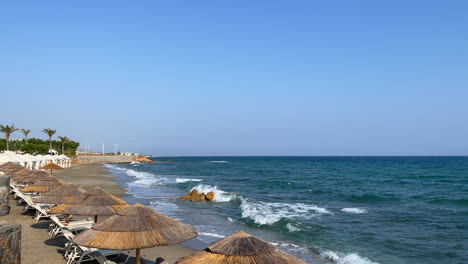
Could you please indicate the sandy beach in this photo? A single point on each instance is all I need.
(38, 247)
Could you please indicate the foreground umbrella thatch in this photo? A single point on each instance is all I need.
(95, 202)
(51, 166)
(136, 227)
(240, 248)
(60, 194)
(44, 185)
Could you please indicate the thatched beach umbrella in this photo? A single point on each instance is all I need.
(51, 166)
(31, 178)
(32, 173)
(95, 202)
(136, 227)
(60, 194)
(240, 248)
(44, 185)
(10, 166)
(21, 172)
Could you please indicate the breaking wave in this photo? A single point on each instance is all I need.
(144, 179)
(351, 258)
(264, 213)
(219, 195)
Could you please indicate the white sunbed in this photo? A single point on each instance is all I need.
(76, 254)
(42, 211)
(58, 227)
(25, 198)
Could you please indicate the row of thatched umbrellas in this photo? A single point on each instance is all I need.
(137, 226)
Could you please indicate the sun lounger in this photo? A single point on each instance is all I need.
(74, 226)
(26, 199)
(76, 254)
(42, 211)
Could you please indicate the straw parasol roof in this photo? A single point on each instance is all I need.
(9, 165)
(93, 202)
(60, 194)
(136, 227)
(14, 168)
(32, 177)
(44, 185)
(21, 172)
(240, 248)
(52, 166)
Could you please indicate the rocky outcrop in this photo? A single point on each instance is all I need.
(195, 196)
(4, 190)
(10, 244)
(142, 159)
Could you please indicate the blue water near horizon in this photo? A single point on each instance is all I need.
(347, 210)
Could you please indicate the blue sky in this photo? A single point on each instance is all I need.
(240, 77)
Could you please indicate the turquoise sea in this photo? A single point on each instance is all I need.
(345, 210)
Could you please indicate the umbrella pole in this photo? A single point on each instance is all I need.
(137, 256)
(95, 219)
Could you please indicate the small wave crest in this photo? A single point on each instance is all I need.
(211, 234)
(182, 180)
(354, 210)
(264, 213)
(292, 228)
(218, 161)
(351, 258)
(219, 195)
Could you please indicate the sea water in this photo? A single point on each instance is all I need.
(345, 210)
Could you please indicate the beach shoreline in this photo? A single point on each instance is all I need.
(38, 247)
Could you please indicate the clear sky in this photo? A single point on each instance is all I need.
(240, 77)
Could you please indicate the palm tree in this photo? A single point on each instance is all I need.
(50, 132)
(63, 140)
(26, 133)
(8, 130)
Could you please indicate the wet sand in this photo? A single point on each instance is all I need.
(38, 247)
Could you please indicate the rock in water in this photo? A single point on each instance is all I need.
(209, 196)
(195, 196)
(142, 159)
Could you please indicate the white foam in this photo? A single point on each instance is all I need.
(139, 174)
(114, 167)
(145, 179)
(182, 180)
(134, 162)
(211, 234)
(230, 219)
(219, 195)
(146, 182)
(351, 258)
(292, 228)
(354, 210)
(264, 213)
(164, 206)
